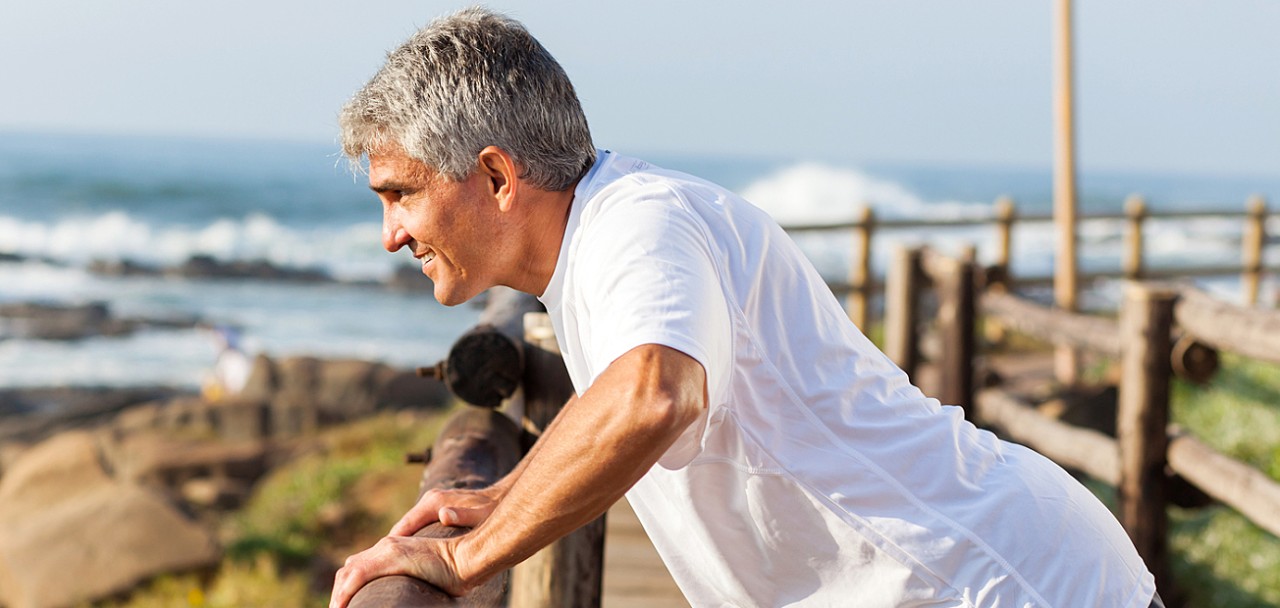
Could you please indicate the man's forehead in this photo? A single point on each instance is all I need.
(397, 167)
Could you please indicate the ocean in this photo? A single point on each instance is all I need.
(67, 201)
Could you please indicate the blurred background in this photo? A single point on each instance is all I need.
(145, 133)
(170, 177)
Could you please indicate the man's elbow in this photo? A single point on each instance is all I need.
(668, 391)
(670, 415)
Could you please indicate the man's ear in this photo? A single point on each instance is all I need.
(503, 177)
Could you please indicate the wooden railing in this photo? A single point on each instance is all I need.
(863, 286)
(1146, 446)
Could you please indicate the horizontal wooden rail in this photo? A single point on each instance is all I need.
(475, 449)
(1032, 218)
(1236, 484)
(1252, 332)
(1051, 325)
(1230, 481)
(1074, 447)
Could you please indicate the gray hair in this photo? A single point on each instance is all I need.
(467, 81)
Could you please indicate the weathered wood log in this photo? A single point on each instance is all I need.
(860, 277)
(901, 310)
(1052, 325)
(1252, 332)
(1193, 360)
(1073, 447)
(486, 364)
(1146, 324)
(957, 303)
(1136, 210)
(1253, 240)
(475, 449)
(1236, 484)
(568, 573)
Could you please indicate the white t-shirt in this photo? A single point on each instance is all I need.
(818, 475)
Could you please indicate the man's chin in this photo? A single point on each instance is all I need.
(449, 297)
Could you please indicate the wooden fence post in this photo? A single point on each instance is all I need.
(1255, 236)
(860, 276)
(1136, 210)
(569, 572)
(1146, 322)
(902, 309)
(1006, 214)
(957, 311)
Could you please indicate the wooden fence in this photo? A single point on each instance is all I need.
(1136, 461)
(863, 286)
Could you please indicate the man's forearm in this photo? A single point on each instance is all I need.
(594, 451)
(505, 484)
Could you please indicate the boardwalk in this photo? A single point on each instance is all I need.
(634, 576)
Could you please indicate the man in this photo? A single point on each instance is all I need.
(796, 465)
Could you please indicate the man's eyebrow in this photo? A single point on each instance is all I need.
(388, 186)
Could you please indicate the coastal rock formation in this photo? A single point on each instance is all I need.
(63, 510)
(209, 267)
(47, 321)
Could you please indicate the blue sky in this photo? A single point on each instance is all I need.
(1163, 85)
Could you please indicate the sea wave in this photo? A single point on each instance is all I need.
(346, 252)
(805, 193)
(811, 193)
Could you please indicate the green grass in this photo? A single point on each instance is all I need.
(1219, 557)
(338, 497)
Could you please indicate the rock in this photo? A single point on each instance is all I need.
(209, 474)
(207, 267)
(53, 471)
(41, 321)
(40, 412)
(47, 321)
(399, 389)
(263, 380)
(73, 533)
(123, 268)
(332, 390)
(409, 278)
(346, 388)
(242, 419)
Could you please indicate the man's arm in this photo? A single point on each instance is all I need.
(467, 508)
(598, 447)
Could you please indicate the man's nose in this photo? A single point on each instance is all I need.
(393, 236)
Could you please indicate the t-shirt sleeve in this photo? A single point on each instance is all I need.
(647, 276)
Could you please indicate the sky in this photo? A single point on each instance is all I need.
(1162, 85)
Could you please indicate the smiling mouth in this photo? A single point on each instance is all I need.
(427, 257)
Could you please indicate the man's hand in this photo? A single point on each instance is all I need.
(429, 559)
(464, 508)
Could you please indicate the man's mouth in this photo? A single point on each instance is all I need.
(427, 257)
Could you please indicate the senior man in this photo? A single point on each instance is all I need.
(773, 454)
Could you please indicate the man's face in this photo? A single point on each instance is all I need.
(448, 226)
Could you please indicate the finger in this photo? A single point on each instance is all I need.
(344, 587)
(423, 513)
(359, 569)
(465, 517)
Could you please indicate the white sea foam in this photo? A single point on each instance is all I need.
(349, 252)
(810, 193)
(818, 194)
